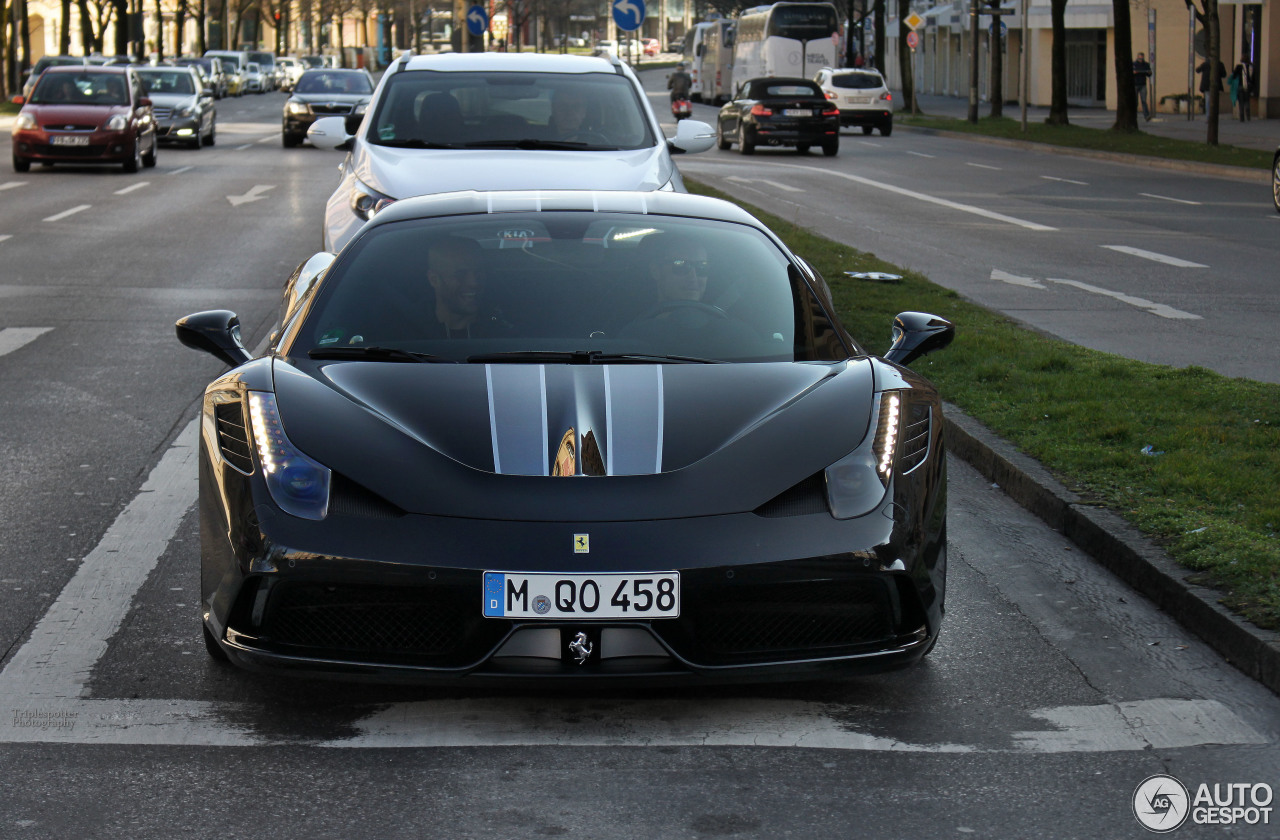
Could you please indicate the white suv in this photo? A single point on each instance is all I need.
(861, 95)
(485, 121)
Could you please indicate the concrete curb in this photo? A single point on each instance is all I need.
(1119, 547)
(1238, 173)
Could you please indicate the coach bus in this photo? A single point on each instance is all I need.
(785, 39)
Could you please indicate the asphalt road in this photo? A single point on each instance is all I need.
(1054, 691)
(1168, 267)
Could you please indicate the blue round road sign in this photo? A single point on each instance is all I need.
(628, 14)
(477, 20)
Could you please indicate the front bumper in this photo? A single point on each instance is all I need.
(794, 134)
(178, 130)
(100, 147)
(866, 116)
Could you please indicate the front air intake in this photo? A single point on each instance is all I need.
(233, 436)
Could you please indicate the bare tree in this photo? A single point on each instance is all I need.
(1058, 65)
(1206, 12)
(907, 72)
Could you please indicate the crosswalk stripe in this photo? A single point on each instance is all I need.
(11, 338)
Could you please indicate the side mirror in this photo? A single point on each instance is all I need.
(328, 132)
(918, 333)
(692, 137)
(216, 332)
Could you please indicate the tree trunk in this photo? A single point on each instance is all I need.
(906, 71)
(1213, 47)
(879, 18)
(122, 27)
(1058, 64)
(64, 34)
(1126, 93)
(159, 32)
(997, 66)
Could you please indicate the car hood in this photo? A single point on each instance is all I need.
(345, 98)
(444, 439)
(172, 100)
(401, 173)
(54, 116)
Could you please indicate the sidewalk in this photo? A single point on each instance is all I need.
(1254, 134)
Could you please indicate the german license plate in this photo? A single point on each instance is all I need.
(796, 112)
(579, 596)
(70, 140)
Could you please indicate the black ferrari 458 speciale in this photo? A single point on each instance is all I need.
(569, 436)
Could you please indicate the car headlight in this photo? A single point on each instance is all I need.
(297, 108)
(25, 122)
(366, 201)
(118, 123)
(857, 482)
(298, 484)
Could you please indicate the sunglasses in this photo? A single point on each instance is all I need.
(700, 266)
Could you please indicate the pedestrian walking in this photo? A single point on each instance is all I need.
(1141, 73)
(1206, 76)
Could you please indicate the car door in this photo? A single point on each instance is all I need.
(731, 113)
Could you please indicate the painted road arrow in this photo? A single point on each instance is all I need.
(254, 194)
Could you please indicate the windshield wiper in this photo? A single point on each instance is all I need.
(374, 354)
(585, 357)
(417, 144)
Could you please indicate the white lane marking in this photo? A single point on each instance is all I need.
(931, 199)
(921, 154)
(1167, 198)
(1015, 280)
(781, 186)
(181, 170)
(4, 236)
(1138, 725)
(8, 185)
(255, 193)
(982, 166)
(1160, 723)
(271, 139)
(869, 143)
(242, 148)
(1152, 255)
(1154, 308)
(11, 338)
(72, 635)
(1064, 180)
(136, 186)
(57, 217)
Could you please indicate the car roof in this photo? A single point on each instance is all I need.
(117, 69)
(474, 202)
(513, 62)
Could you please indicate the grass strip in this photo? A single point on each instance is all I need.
(1098, 139)
(1205, 489)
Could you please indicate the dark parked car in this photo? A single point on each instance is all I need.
(324, 93)
(779, 112)
(562, 435)
(86, 115)
(182, 105)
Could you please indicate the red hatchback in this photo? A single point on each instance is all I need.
(85, 115)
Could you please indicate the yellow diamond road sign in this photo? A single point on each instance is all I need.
(914, 21)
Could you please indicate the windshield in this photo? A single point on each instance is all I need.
(167, 81)
(564, 286)
(333, 81)
(857, 81)
(430, 109)
(802, 21)
(85, 88)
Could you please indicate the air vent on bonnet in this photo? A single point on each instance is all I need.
(915, 436)
(809, 496)
(233, 435)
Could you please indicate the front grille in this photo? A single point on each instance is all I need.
(233, 436)
(161, 113)
(766, 620)
(65, 127)
(68, 151)
(330, 108)
(809, 496)
(916, 426)
(434, 625)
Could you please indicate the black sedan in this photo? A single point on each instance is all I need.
(779, 112)
(324, 93)
(562, 436)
